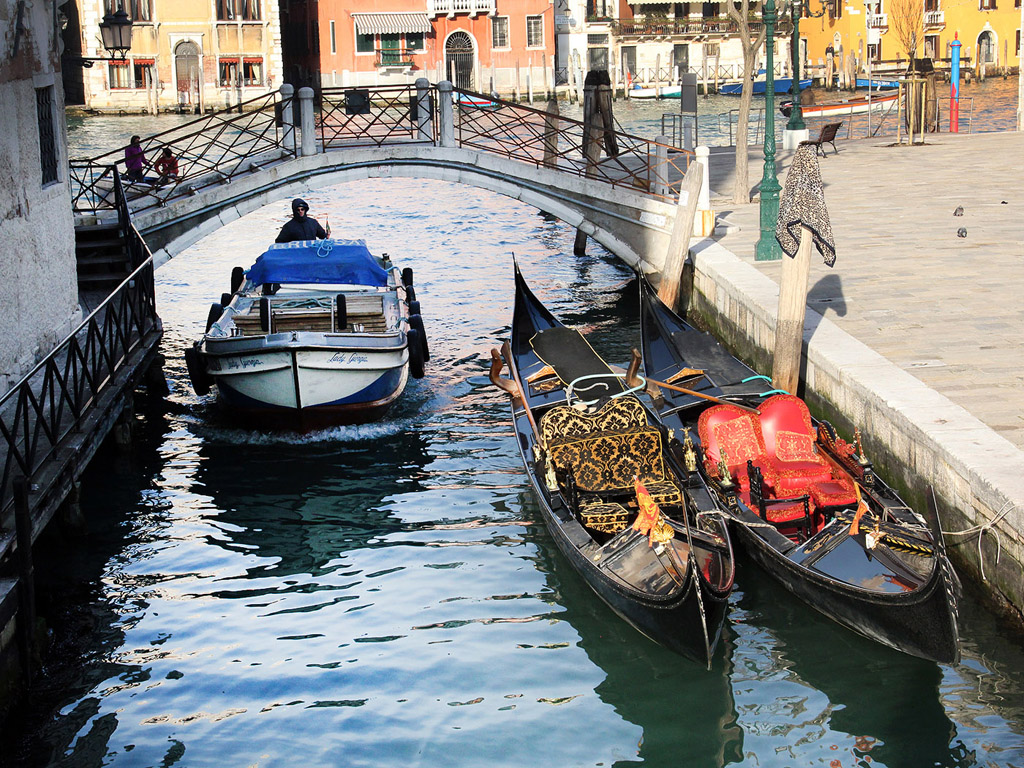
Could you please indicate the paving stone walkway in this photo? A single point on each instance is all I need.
(948, 309)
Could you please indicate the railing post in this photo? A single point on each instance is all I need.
(306, 123)
(26, 576)
(423, 111)
(445, 114)
(551, 134)
(659, 167)
(287, 118)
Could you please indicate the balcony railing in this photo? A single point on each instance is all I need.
(451, 7)
(935, 18)
(394, 57)
(878, 21)
(717, 26)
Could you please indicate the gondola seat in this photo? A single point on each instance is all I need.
(606, 517)
(791, 516)
(789, 441)
(728, 429)
(562, 421)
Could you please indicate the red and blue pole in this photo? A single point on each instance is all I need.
(954, 79)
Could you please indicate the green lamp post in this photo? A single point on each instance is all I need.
(768, 248)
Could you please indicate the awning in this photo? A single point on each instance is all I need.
(391, 23)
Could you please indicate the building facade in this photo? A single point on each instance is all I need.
(38, 282)
(189, 55)
(506, 46)
(989, 31)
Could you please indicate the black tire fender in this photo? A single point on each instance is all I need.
(201, 380)
(340, 313)
(216, 310)
(225, 299)
(414, 308)
(237, 278)
(265, 314)
(415, 345)
(416, 323)
(407, 277)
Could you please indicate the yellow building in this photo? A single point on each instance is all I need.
(186, 54)
(989, 31)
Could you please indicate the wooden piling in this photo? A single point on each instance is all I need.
(682, 231)
(789, 330)
(551, 134)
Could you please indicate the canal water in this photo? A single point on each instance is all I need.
(387, 594)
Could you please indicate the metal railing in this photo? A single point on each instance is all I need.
(533, 136)
(444, 7)
(394, 57)
(39, 413)
(694, 27)
(210, 150)
(353, 117)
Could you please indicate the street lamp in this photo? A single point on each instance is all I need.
(768, 248)
(116, 34)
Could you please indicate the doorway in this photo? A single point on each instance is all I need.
(187, 73)
(460, 60)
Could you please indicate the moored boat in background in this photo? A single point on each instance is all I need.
(659, 555)
(853, 106)
(315, 333)
(805, 504)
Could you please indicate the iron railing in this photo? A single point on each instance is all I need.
(50, 403)
(530, 135)
(353, 117)
(691, 27)
(210, 150)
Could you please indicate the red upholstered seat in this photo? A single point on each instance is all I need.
(833, 493)
(789, 441)
(736, 432)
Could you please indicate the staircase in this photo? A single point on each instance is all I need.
(101, 251)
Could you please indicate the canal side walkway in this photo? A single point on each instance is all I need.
(917, 333)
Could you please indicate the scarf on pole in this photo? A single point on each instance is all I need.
(803, 205)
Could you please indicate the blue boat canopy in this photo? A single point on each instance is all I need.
(318, 261)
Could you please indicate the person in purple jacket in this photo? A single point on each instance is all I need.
(134, 160)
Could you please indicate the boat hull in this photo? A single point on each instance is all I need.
(840, 108)
(782, 84)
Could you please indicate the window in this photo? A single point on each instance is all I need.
(364, 43)
(252, 71)
(334, 40)
(597, 39)
(141, 73)
(47, 134)
(712, 50)
(534, 31)
(120, 74)
(414, 41)
(139, 10)
(986, 5)
(499, 32)
(238, 10)
(1018, 42)
(228, 69)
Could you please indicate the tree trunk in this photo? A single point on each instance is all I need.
(741, 186)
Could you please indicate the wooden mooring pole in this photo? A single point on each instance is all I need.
(593, 133)
(789, 330)
(682, 230)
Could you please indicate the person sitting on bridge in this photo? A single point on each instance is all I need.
(301, 226)
(167, 166)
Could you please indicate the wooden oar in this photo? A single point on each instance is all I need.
(633, 381)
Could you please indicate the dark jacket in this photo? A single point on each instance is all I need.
(305, 228)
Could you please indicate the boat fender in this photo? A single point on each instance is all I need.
(216, 310)
(416, 322)
(415, 345)
(410, 294)
(407, 277)
(269, 289)
(201, 380)
(414, 308)
(265, 314)
(225, 299)
(340, 313)
(237, 278)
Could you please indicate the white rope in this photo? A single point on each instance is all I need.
(1008, 507)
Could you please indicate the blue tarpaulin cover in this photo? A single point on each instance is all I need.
(318, 261)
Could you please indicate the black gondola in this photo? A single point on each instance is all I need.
(804, 503)
(671, 583)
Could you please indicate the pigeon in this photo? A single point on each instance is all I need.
(959, 211)
(962, 232)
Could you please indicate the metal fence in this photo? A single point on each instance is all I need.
(210, 150)
(352, 117)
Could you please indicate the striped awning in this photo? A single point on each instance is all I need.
(390, 23)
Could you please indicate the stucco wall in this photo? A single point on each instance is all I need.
(38, 282)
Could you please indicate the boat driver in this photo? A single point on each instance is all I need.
(301, 226)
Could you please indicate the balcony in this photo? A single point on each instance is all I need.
(449, 8)
(720, 26)
(394, 57)
(878, 21)
(934, 19)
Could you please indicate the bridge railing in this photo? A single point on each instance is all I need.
(353, 117)
(210, 150)
(521, 132)
(52, 400)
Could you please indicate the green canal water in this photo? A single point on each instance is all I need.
(387, 594)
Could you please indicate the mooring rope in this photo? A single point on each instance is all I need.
(1007, 508)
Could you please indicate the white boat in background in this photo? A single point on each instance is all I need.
(315, 333)
(667, 92)
(853, 106)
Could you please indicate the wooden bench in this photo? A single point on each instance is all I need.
(826, 136)
(365, 312)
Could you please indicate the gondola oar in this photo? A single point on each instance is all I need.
(633, 381)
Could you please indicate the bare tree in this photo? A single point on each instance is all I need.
(906, 22)
(739, 12)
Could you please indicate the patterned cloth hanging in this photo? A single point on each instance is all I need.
(803, 205)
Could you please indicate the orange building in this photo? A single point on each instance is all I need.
(479, 45)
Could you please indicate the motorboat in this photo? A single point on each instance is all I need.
(883, 100)
(314, 333)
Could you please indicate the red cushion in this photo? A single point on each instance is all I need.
(833, 493)
(791, 475)
(725, 427)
